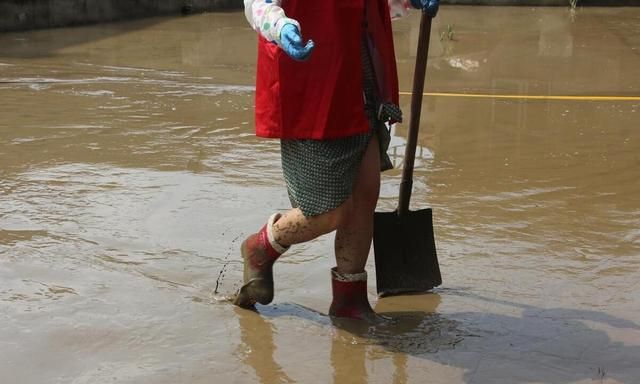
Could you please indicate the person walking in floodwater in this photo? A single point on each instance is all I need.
(330, 102)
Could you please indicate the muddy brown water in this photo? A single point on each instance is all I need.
(129, 174)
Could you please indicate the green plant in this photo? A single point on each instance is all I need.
(448, 34)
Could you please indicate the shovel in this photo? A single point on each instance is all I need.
(403, 241)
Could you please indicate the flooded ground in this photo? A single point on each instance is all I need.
(129, 175)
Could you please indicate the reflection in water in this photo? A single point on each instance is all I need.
(411, 327)
(348, 362)
(258, 346)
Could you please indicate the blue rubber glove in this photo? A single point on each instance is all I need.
(430, 7)
(291, 43)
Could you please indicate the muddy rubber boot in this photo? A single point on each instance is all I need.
(259, 252)
(350, 296)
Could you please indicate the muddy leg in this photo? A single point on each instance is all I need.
(294, 228)
(353, 241)
(262, 249)
(354, 234)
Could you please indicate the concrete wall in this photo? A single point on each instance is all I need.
(31, 14)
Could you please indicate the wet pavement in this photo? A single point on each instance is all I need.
(129, 174)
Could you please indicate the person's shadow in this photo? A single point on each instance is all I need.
(555, 345)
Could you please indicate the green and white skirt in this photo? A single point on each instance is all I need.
(320, 174)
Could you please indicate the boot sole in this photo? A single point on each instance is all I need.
(256, 290)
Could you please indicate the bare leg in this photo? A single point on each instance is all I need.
(355, 232)
(294, 228)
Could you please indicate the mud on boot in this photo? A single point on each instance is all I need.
(259, 252)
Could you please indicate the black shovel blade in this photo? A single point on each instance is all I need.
(405, 253)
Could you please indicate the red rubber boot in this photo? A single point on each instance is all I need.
(350, 296)
(259, 252)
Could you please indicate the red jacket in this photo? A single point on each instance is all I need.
(321, 98)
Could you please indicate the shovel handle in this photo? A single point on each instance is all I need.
(406, 185)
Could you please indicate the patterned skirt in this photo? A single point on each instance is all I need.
(320, 174)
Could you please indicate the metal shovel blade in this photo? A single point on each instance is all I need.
(405, 252)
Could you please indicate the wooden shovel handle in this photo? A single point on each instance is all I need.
(406, 185)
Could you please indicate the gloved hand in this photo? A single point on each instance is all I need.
(430, 7)
(291, 43)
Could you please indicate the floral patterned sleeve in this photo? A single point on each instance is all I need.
(267, 18)
(398, 8)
